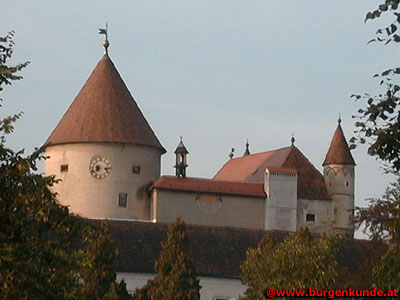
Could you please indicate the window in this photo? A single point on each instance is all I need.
(63, 168)
(222, 298)
(136, 170)
(310, 218)
(123, 200)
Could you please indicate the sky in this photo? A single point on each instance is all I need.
(214, 72)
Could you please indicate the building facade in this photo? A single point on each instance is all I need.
(108, 159)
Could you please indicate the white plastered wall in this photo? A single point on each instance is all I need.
(321, 209)
(339, 180)
(208, 209)
(281, 203)
(98, 198)
(211, 287)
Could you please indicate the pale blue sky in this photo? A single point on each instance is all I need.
(214, 72)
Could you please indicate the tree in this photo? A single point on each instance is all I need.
(42, 246)
(381, 221)
(97, 275)
(300, 262)
(379, 120)
(176, 276)
(379, 123)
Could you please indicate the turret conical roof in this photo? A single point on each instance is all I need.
(339, 152)
(181, 148)
(104, 111)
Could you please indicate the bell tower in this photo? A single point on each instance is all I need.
(339, 178)
(181, 160)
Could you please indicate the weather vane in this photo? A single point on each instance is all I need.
(106, 43)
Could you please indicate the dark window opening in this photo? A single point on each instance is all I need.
(136, 170)
(97, 168)
(123, 200)
(310, 218)
(64, 168)
(347, 183)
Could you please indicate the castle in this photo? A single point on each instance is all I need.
(108, 159)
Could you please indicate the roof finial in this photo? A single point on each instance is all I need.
(292, 140)
(247, 151)
(231, 154)
(106, 43)
(339, 120)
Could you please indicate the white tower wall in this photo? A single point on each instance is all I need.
(91, 197)
(339, 180)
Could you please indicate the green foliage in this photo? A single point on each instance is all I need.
(381, 219)
(8, 73)
(97, 274)
(382, 222)
(45, 253)
(386, 273)
(379, 121)
(301, 261)
(117, 291)
(176, 276)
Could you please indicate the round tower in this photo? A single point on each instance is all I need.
(104, 151)
(339, 178)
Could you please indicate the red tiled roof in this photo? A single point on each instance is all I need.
(339, 152)
(250, 168)
(104, 111)
(310, 181)
(209, 186)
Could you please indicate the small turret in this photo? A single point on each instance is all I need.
(181, 160)
(339, 179)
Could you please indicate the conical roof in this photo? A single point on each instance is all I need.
(339, 152)
(181, 148)
(104, 111)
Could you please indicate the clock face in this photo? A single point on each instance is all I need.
(100, 167)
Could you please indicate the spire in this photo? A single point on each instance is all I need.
(181, 148)
(247, 151)
(106, 43)
(339, 152)
(104, 111)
